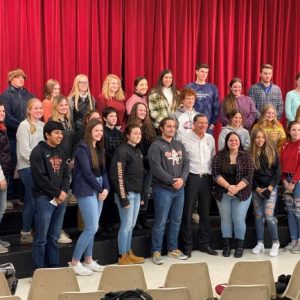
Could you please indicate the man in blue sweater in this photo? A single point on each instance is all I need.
(207, 101)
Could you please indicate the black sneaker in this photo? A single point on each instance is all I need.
(209, 251)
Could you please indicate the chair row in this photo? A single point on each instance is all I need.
(50, 283)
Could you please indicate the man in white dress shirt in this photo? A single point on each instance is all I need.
(200, 147)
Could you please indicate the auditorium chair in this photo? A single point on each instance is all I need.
(48, 284)
(180, 293)
(293, 288)
(194, 276)
(246, 292)
(4, 289)
(253, 273)
(118, 278)
(81, 295)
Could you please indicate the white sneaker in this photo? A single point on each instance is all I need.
(3, 249)
(80, 270)
(94, 266)
(259, 248)
(274, 250)
(290, 246)
(64, 238)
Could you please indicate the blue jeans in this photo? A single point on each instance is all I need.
(128, 217)
(264, 210)
(293, 211)
(3, 202)
(90, 208)
(48, 224)
(168, 205)
(28, 209)
(232, 210)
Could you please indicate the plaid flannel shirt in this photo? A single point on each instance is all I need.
(261, 98)
(245, 171)
(159, 108)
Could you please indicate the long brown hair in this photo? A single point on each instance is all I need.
(49, 87)
(267, 150)
(232, 114)
(147, 128)
(159, 87)
(225, 152)
(229, 102)
(96, 163)
(297, 117)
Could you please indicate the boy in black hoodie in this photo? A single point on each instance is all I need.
(50, 175)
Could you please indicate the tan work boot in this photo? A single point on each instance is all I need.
(123, 260)
(26, 238)
(135, 259)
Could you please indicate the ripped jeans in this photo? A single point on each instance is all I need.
(293, 211)
(264, 211)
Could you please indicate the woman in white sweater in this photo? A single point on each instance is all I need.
(29, 134)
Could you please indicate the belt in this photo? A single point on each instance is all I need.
(201, 175)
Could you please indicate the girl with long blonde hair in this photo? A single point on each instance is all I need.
(29, 134)
(274, 129)
(81, 101)
(61, 114)
(113, 96)
(265, 182)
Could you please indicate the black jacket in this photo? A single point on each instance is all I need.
(144, 145)
(15, 101)
(5, 159)
(127, 171)
(266, 176)
(50, 172)
(112, 139)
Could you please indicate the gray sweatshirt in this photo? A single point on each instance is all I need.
(168, 161)
(26, 141)
(242, 133)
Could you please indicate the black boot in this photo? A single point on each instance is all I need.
(226, 247)
(239, 248)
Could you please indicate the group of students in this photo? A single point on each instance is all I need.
(167, 142)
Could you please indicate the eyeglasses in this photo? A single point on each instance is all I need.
(84, 82)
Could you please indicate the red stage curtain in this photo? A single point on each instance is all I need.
(61, 38)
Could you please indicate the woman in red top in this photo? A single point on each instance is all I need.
(290, 167)
(52, 89)
(113, 96)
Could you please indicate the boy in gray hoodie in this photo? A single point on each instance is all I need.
(170, 167)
